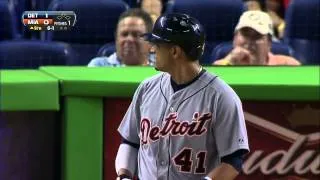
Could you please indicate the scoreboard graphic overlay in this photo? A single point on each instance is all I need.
(49, 20)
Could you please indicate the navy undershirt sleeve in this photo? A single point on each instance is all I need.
(235, 159)
(130, 143)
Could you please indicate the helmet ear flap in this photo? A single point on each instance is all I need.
(194, 53)
(197, 52)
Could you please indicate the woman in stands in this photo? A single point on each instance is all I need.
(258, 5)
(276, 10)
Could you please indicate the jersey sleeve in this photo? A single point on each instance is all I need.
(229, 128)
(129, 126)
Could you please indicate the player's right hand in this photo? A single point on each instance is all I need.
(239, 56)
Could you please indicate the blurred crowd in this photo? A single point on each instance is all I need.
(108, 32)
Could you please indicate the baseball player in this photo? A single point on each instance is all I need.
(183, 123)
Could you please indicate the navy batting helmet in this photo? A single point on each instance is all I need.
(181, 30)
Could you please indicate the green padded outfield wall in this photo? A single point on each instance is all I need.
(29, 119)
(251, 83)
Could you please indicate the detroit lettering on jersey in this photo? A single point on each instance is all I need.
(172, 126)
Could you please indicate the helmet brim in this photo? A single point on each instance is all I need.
(154, 38)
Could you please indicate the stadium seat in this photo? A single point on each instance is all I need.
(19, 7)
(95, 26)
(221, 50)
(137, 3)
(26, 54)
(302, 31)
(41, 5)
(8, 24)
(219, 18)
(107, 49)
(133, 3)
(28, 5)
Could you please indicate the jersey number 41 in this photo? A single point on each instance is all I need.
(184, 161)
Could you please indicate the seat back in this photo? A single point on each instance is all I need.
(133, 3)
(302, 30)
(84, 53)
(218, 17)
(41, 5)
(107, 49)
(95, 26)
(8, 24)
(26, 54)
(96, 21)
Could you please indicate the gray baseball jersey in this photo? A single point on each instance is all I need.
(183, 134)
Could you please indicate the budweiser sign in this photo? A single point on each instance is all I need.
(286, 163)
(300, 158)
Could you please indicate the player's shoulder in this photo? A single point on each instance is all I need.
(219, 86)
(153, 81)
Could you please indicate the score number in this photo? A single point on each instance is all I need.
(50, 28)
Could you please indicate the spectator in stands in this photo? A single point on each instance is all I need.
(153, 7)
(260, 5)
(131, 49)
(276, 10)
(252, 43)
(257, 5)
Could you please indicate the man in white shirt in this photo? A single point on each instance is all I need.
(131, 49)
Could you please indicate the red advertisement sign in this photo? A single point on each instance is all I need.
(284, 139)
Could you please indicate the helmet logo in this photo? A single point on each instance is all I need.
(196, 27)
